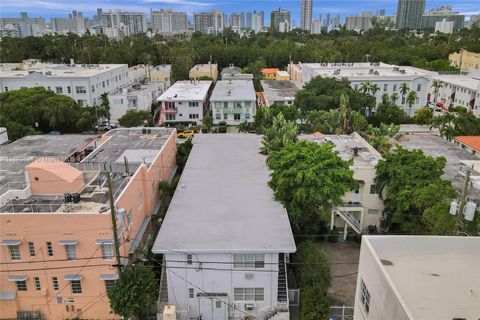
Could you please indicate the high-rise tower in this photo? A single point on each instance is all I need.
(409, 14)
(306, 15)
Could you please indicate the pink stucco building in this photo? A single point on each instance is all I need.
(57, 250)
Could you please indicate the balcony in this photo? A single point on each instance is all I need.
(170, 111)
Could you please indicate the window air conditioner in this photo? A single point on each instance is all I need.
(249, 306)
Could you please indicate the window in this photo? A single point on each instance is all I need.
(82, 102)
(69, 90)
(248, 294)
(373, 189)
(71, 252)
(218, 304)
(55, 283)
(394, 87)
(193, 116)
(356, 86)
(247, 104)
(236, 117)
(170, 117)
(36, 280)
(364, 297)
(218, 116)
(93, 88)
(225, 104)
(385, 87)
(76, 286)
(107, 251)
(419, 87)
(247, 115)
(109, 284)
(256, 261)
(81, 89)
(193, 104)
(103, 84)
(21, 285)
(31, 249)
(189, 259)
(191, 293)
(49, 249)
(6, 88)
(225, 116)
(140, 200)
(58, 89)
(108, 82)
(15, 252)
(373, 211)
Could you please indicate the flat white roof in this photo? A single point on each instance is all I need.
(59, 70)
(433, 277)
(459, 80)
(361, 69)
(223, 203)
(186, 90)
(233, 90)
(203, 67)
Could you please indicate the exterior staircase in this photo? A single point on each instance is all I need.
(282, 295)
(351, 221)
(162, 300)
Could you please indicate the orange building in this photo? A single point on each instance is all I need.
(57, 248)
(274, 74)
(470, 143)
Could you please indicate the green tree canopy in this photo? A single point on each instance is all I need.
(409, 182)
(280, 134)
(308, 178)
(135, 293)
(134, 118)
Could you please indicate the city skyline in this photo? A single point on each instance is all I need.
(56, 8)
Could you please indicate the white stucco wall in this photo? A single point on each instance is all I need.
(218, 281)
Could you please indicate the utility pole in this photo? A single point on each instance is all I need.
(463, 197)
(114, 223)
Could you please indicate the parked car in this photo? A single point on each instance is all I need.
(186, 134)
(105, 126)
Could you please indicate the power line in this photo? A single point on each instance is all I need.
(85, 310)
(40, 308)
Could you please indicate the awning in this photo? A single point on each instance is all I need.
(108, 277)
(68, 242)
(17, 278)
(11, 242)
(7, 295)
(72, 277)
(100, 242)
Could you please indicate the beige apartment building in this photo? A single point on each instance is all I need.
(418, 278)
(199, 71)
(465, 60)
(362, 207)
(56, 234)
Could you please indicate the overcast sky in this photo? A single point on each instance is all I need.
(61, 8)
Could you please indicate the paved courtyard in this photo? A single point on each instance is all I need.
(343, 257)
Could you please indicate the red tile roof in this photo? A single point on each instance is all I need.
(470, 141)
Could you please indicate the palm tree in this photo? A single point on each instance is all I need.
(404, 90)
(385, 98)
(436, 84)
(365, 87)
(394, 98)
(56, 115)
(345, 111)
(373, 90)
(411, 98)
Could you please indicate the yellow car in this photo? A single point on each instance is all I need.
(186, 134)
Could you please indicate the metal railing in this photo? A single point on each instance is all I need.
(341, 313)
(12, 186)
(351, 221)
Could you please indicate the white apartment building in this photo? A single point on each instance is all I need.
(418, 278)
(387, 77)
(362, 207)
(75, 23)
(278, 91)
(224, 238)
(117, 23)
(358, 23)
(457, 90)
(233, 101)
(83, 83)
(168, 22)
(137, 97)
(184, 101)
(212, 22)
